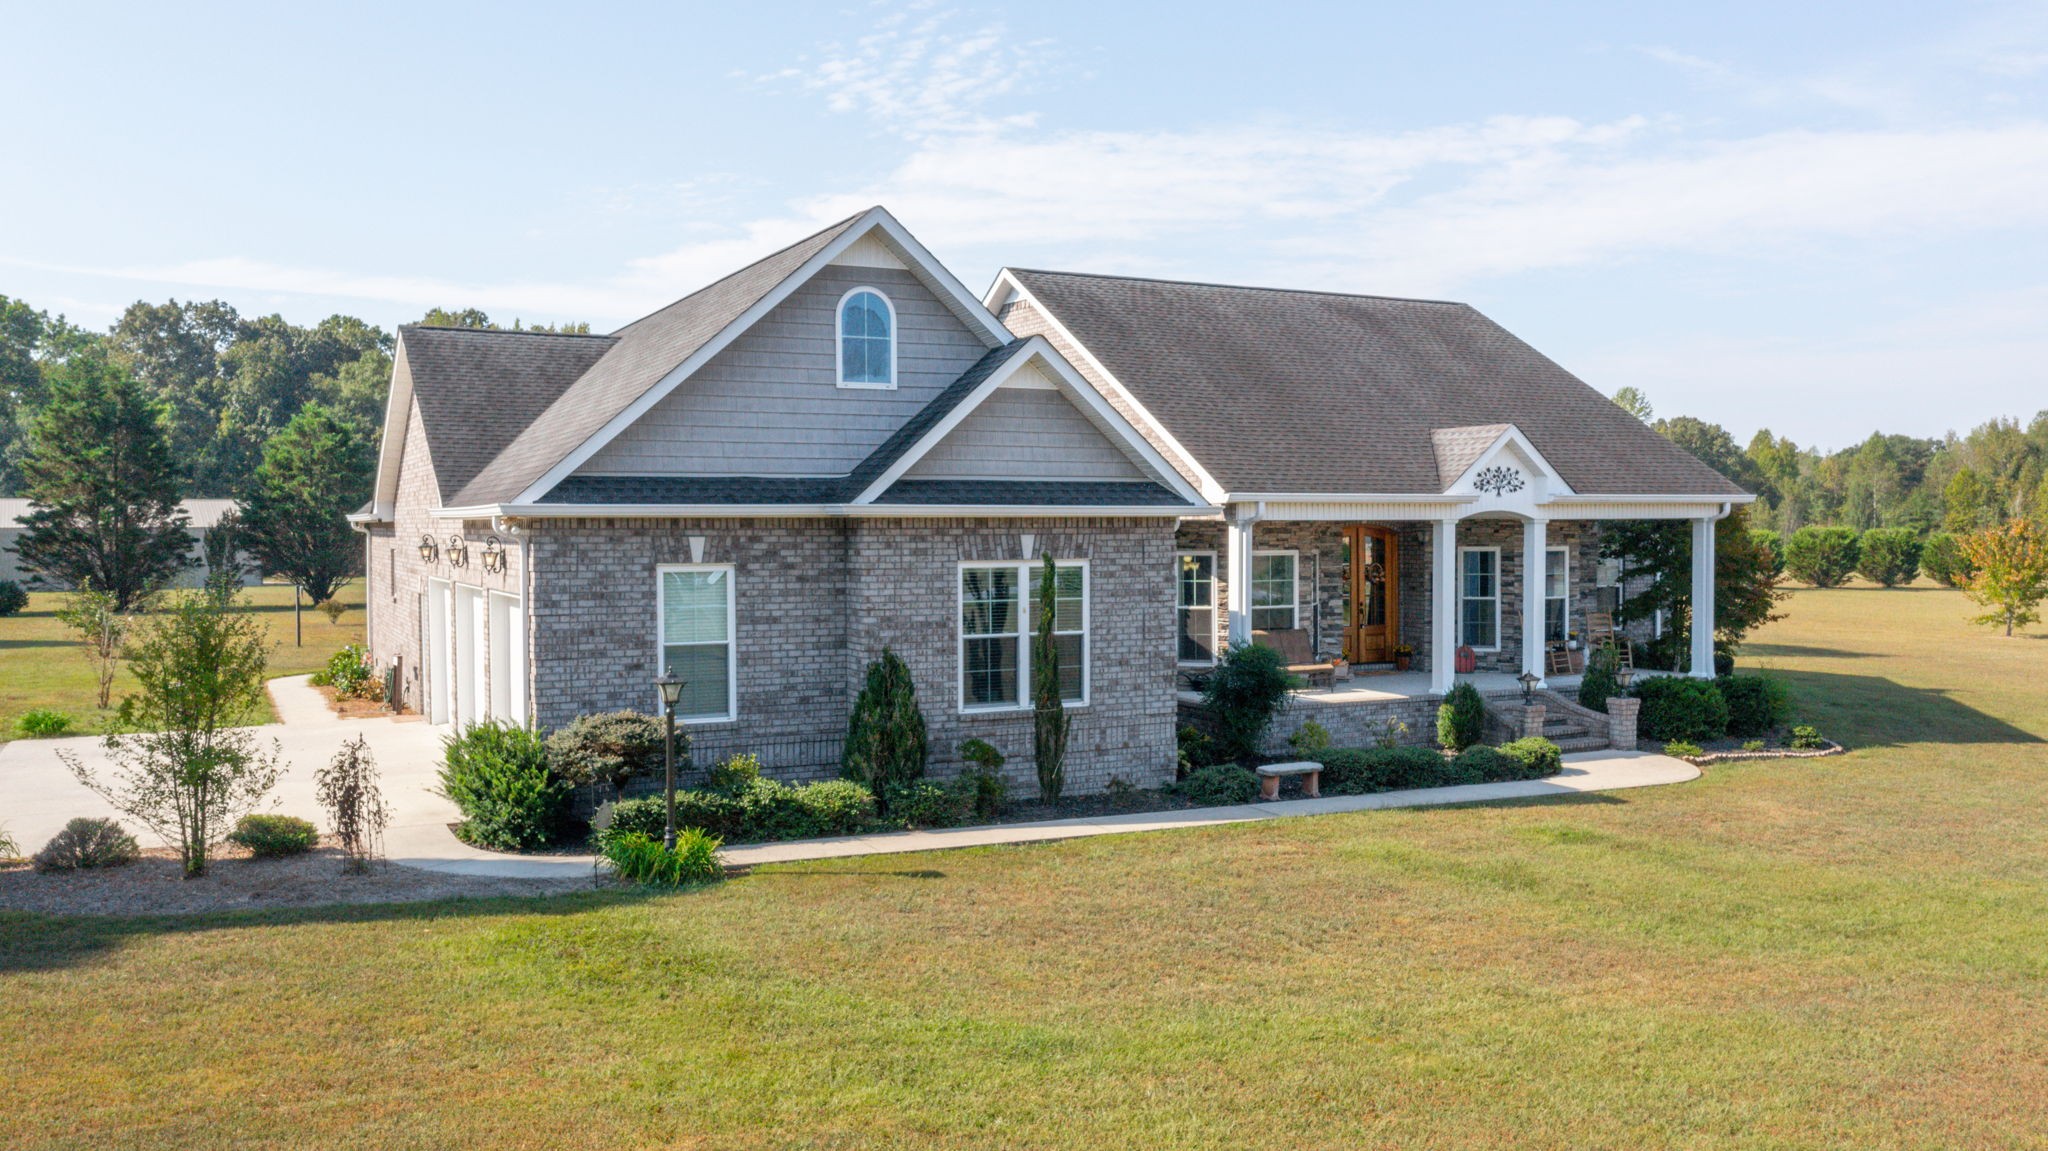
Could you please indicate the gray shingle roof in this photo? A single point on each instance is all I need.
(477, 389)
(694, 490)
(642, 353)
(1289, 391)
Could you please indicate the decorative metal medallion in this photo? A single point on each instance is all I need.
(458, 552)
(1498, 480)
(494, 555)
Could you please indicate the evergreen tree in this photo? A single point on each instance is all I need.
(313, 474)
(1049, 718)
(105, 492)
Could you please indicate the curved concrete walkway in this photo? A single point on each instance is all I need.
(38, 794)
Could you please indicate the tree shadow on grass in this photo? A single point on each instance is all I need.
(1872, 711)
(1796, 651)
(31, 941)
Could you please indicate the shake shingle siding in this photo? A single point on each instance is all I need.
(1026, 434)
(770, 404)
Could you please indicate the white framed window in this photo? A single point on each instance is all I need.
(1479, 598)
(1274, 606)
(1195, 574)
(867, 339)
(695, 621)
(1557, 594)
(998, 610)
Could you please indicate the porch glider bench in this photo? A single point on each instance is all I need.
(1270, 774)
(1294, 648)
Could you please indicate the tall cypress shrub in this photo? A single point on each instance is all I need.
(1048, 713)
(885, 737)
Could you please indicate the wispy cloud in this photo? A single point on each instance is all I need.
(920, 72)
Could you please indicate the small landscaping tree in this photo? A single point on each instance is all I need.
(1599, 683)
(1770, 547)
(192, 768)
(355, 805)
(1889, 556)
(1048, 713)
(96, 619)
(612, 748)
(1942, 558)
(886, 744)
(496, 773)
(1244, 693)
(1461, 718)
(1823, 557)
(2011, 577)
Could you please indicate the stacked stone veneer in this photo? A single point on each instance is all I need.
(1322, 589)
(816, 600)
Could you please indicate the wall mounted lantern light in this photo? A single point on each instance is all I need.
(430, 551)
(494, 555)
(458, 552)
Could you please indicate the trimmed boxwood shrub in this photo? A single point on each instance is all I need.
(1220, 786)
(1756, 704)
(1680, 707)
(1461, 719)
(927, 804)
(761, 811)
(497, 774)
(274, 836)
(86, 843)
(1356, 771)
(1534, 757)
(613, 748)
(1479, 764)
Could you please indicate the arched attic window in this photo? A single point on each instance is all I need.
(867, 340)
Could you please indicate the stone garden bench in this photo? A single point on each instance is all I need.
(1271, 773)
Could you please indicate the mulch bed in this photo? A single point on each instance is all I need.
(154, 885)
(1731, 751)
(352, 708)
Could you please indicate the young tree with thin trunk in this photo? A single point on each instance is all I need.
(2012, 573)
(189, 768)
(103, 486)
(101, 628)
(1048, 712)
(296, 516)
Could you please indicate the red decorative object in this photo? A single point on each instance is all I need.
(1468, 660)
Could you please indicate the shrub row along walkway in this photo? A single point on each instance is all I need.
(39, 795)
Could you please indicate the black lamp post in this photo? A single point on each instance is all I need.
(671, 690)
(1529, 680)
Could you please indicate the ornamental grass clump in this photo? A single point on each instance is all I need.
(638, 858)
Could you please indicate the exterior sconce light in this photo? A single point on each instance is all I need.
(458, 552)
(494, 555)
(430, 552)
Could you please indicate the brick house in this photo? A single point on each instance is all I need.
(839, 449)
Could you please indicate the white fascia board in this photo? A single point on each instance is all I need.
(1007, 285)
(872, 219)
(1513, 435)
(1743, 498)
(772, 511)
(397, 422)
(1348, 498)
(927, 267)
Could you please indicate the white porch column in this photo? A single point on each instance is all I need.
(1703, 598)
(1535, 549)
(1443, 615)
(1237, 575)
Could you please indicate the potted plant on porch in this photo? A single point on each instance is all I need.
(1404, 654)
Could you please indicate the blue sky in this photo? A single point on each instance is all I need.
(1822, 218)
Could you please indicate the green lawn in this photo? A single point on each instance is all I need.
(41, 665)
(1829, 953)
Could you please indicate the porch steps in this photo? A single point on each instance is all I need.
(1569, 731)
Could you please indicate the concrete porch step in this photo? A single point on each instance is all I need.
(1580, 743)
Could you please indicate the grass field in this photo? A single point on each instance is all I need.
(41, 665)
(1846, 952)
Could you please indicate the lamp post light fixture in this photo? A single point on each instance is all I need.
(1529, 680)
(1621, 677)
(671, 690)
(429, 550)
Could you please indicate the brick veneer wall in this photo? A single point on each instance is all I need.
(816, 600)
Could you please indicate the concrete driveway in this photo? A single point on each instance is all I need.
(38, 794)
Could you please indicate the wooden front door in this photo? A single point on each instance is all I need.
(1373, 619)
